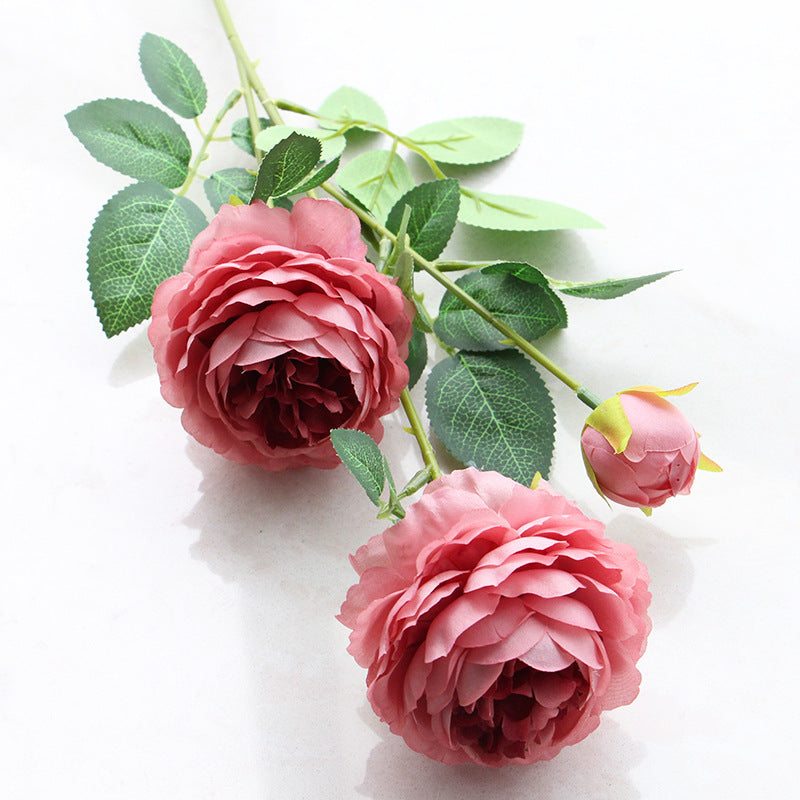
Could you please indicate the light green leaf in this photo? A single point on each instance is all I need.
(434, 210)
(469, 140)
(140, 237)
(531, 309)
(242, 134)
(377, 179)
(347, 105)
(332, 145)
(511, 213)
(234, 181)
(361, 456)
(172, 76)
(417, 356)
(136, 139)
(493, 410)
(286, 165)
(608, 289)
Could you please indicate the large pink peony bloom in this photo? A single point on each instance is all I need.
(277, 331)
(640, 450)
(496, 622)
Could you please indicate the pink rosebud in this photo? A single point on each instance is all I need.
(496, 622)
(279, 330)
(640, 450)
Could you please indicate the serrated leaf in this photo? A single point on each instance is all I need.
(242, 134)
(347, 104)
(361, 456)
(136, 139)
(378, 179)
(530, 274)
(140, 237)
(319, 177)
(286, 165)
(493, 410)
(417, 356)
(468, 140)
(332, 145)
(434, 210)
(226, 183)
(531, 309)
(507, 212)
(172, 76)
(608, 289)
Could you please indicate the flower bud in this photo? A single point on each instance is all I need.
(640, 450)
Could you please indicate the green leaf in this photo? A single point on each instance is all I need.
(346, 105)
(417, 356)
(134, 138)
(320, 176)
(361, 456)
(140, 237)
(434, 210)
(608, 289)
(242, 134)
(286, 165)
(332, 145)
(493, 410)
(172, 76)
(469, 140)
(378, 179)
(531, 309)
(511, 213)
(530, 274)
(222, 184)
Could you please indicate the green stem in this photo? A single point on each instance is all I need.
(269, 106)
(425, 446)
(523, 344)
(252, 114)
(232, 99)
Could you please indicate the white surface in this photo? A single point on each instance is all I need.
(167, 618)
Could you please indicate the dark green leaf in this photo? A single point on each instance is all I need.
(512, 213)
(434, 210)
(319, 177)
(470, 140)
(234, 181)
(417, 356)
(286, 165)
(493, 410)
(530, 308)
(242, 133)
(134, 138)
(346, 105)
(332, 145)
(608, 289)
(361, 456)
(172, 76)
(140, 238)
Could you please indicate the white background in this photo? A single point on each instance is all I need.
(167, 618)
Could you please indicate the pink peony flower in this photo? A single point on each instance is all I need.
(277, 331)
(496, 622)
(640, 450)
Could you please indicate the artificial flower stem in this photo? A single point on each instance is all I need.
(507, 331)
(246, 63)
(252, 114)
(231, 100)
(425, 446)
(523, 344)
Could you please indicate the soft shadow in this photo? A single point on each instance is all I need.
(134, 362)
(666, 558)
(595, 769)
(559, 254)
